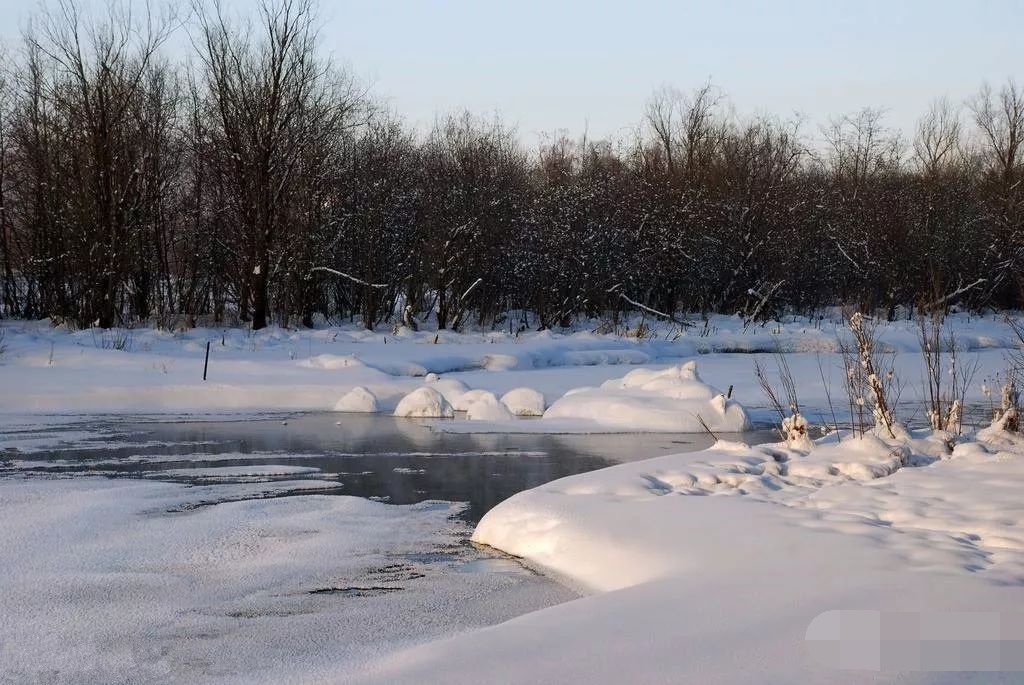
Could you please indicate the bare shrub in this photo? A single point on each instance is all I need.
(120, 339)
(1007, 416)
(947, 397)
(793, 427)
(871, 381)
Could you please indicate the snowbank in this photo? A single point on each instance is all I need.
(673, 399)
(63, 371)
(722, 588)
(424, 403)
(358, 399)
(524, 402)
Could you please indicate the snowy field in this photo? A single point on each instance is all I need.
(707, 566)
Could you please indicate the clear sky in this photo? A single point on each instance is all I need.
(576, 64)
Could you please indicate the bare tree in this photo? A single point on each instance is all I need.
(937, 143)
(999, 118)
(272, 98)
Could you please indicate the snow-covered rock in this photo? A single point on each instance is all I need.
(358, 399)
(425, 403)
(524, 402)
(486, 407)
(673, 399)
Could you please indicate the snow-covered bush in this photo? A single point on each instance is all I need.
(1007, 416)
(425, 403)
(486, 407)
(358, 399)
(469, 397)
(870, 378)
(524, 402)
(673, 399)
(451, 388)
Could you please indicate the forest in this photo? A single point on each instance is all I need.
(251, 180)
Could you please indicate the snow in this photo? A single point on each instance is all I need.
(237, 473)
(358, 399)
(673, 399)
(469, 397)
(524, 402)
(451, 388)
(62, 371)
(121, 581)
(486, 407)
(699, 567)
(424, 403)
(711, 566)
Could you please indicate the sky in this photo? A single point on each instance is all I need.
(590, 65)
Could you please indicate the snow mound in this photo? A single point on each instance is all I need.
(449, 387)
(486, 407)
(358, 399)
(424, 403)
(524, 402)
(467, 398)
(674, 399)
(332, 362)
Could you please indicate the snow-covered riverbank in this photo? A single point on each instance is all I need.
(699, 567)
(721, 588)
(137, 371)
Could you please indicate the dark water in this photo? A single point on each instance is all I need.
(400, 461)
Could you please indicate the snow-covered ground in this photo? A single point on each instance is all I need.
(126, 581)
(52, 370)
(700, 567)
(688, 587)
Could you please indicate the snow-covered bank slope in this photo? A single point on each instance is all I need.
(708, 567)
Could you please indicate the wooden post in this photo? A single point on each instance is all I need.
(206, 362)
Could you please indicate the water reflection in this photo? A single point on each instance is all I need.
(395, 460)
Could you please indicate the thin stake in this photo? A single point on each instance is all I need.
(206, 362)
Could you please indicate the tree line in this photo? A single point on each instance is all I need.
(254, 181)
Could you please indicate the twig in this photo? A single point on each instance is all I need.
(349, 277)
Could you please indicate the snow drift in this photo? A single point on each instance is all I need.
(486, 407)
(524, 402)
(425, 403)
(358, 399)
(674, 399)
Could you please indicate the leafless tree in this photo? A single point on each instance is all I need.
(272, 99)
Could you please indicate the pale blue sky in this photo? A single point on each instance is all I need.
(570, 64)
